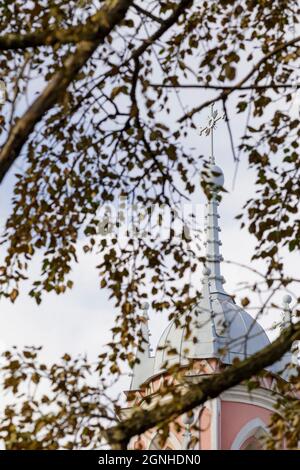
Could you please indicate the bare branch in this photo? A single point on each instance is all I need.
(137, 53)
(184, 4)
(147, 13)
(229, 131)
(225, 87)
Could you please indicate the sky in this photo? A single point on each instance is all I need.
(80, 320)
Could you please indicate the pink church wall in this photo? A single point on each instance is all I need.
(205, 430)
(234, 416)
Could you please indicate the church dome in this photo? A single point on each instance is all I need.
(219, 329)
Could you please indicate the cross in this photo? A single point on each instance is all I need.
(209, 129)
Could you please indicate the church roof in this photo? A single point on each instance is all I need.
(218, 328)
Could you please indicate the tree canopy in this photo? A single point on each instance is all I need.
(89, 119)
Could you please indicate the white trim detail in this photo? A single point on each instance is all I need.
(259, 397)
(215, 423)
(247, 431)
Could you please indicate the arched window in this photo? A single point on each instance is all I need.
(252, 444)
(250, 436)
(172, 443)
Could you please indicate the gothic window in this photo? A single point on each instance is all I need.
(171, 444)
(252, 444)
(251, 436)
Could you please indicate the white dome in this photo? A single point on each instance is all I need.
(221, 329)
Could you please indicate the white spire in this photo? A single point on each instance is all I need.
(220, 328)
(215, 179)
(143, 368)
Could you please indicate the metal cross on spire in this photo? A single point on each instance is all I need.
(209, 128)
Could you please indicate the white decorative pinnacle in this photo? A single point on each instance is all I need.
(212, 229)
(145, 308)
(287, 299)
(287, 312)
(187, 435)
(210, 127)
(145, 326)
(143, 367)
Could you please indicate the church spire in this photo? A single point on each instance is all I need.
(215, 179)
(144, 365)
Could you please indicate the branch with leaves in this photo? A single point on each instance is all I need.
(105, 20)
(110, 120)
(240, 85)
(143, 419)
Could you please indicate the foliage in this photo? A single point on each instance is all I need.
(54, 407)
(90, 119)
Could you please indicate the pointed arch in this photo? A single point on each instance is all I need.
(252, 428)
(172, 442)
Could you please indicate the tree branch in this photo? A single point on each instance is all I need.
(108, 16)
(147, 13)
(19, 134)
(226, 92)
(50, 37)
(225, 87)
(141, 420)
(90, 31)
(184, 4)
(235, 159)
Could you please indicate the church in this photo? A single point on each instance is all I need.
(238, 418)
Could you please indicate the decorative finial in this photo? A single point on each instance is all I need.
(143, 353)
(287, 313)
(145, 308)
(209, 129)
(206, 271)
(188, 420)
(287, 299)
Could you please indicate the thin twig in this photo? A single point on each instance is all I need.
(229, 131)
(147, 13)
(227, 91)
(225, 87)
